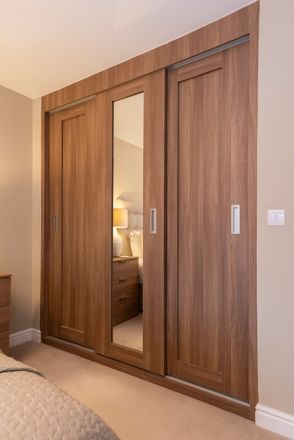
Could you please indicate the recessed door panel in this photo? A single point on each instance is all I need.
(72, 232)
(207, 264)
(200, 259)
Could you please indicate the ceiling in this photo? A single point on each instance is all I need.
(48, 44)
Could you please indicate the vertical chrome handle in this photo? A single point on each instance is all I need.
(235, 219)
(153, 220)
(54, 222)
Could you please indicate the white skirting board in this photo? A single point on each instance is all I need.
(274, 420)
(30, 334)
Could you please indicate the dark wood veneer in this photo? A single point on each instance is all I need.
(229, 28)
(5, 287)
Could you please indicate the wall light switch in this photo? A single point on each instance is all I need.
(276, 217)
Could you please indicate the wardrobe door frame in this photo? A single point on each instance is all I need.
(172, 232)
(56, 204)
(152, 356)
(225, 301)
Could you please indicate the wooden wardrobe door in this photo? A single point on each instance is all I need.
(152, 357)
(207, 264)
(73, 223)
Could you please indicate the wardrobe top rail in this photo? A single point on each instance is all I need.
(236, 25)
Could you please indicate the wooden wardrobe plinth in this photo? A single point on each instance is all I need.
(217, 399)
(5, 286)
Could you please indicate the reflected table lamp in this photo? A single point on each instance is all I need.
(120, 221)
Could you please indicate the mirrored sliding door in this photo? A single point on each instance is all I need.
(133, 293)
(127, 238)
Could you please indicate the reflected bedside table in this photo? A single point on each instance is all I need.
(125, 289)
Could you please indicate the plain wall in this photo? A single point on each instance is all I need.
(127, 170)
(16, 202)
(275, 262)
(36, 213)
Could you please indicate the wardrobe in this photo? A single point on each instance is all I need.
(158, 280)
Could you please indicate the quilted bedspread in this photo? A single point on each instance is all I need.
(31, 408)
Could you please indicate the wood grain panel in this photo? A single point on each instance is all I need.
(4, 342)
(208, 267)
(236, 311)
(198, 90)
(154, 244)
(103, 160)
(74, 213)
(200, 259)
(4, 319)
(219, 32)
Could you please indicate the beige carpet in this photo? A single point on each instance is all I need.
(135, 409)
(130, 333)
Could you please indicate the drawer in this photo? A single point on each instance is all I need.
(4, 319)
(124, 285)
(124, 298)
(125, 269)
(4, 342)
(4, 291)
(124, 308)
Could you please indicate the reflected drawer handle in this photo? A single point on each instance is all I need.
(122, 280)
(122, 298)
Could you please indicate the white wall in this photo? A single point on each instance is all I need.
(127, 170)
(276, 190)
(16, 202)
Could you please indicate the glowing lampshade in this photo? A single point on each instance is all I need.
(120, 218)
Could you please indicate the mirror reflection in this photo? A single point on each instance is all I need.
(127, 264)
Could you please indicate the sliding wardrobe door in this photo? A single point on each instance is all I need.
(72, 223)
(208, 222)
(131, 271)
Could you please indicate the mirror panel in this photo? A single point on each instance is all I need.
(127, 238)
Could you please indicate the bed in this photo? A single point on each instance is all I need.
(32, 408)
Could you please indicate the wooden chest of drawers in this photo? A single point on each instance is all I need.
(125, 289)
(5, 282)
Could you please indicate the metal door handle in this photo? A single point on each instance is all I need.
(54, 222)
(153, 221)
(235, 219)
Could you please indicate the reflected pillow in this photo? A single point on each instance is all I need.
(136, 241)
